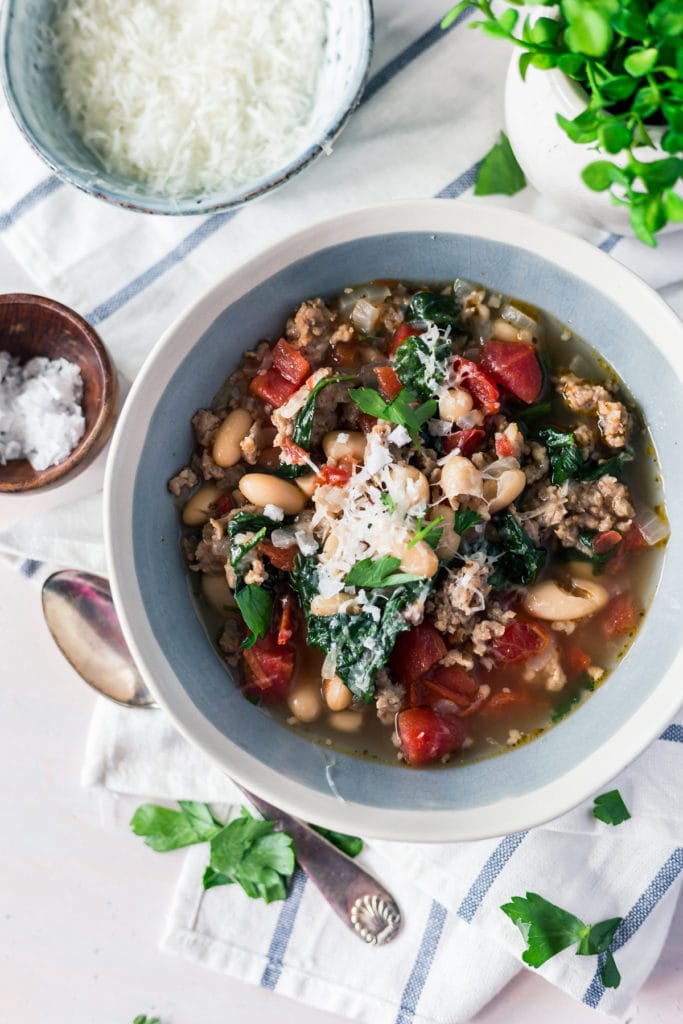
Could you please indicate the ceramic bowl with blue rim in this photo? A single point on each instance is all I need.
(26, 66)
(634, 330)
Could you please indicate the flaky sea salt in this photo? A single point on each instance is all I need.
(41, 418)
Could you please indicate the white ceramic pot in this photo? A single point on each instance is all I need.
(553, 163)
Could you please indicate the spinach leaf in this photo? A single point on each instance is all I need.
(564, 454)
(380, 573)
(442, 310)
(249, 522)
(519, 560)
(533, 413)
(399, 410)
(585, 553)
(238, 551)
(361, 644)
(499, 173)
(422, 364)
(614, 466)
(303, 427)
(350, 845)
(256, 607)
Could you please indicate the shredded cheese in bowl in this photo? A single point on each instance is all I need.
(192, 99)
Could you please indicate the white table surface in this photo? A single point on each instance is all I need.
(82, 905)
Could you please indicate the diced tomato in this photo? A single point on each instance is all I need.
(295, 455)
(575, 660)
(388, 382)
(620, 615)
(514, 365)
(605, 541)
(223, 505)
(336, 476)
(521, 640)
(281, 558)
(427, 736)
(503, 700)
(366, 422)
(484, 391)
(272, 387)
(415, 651)
(288, 619)
(504, 447)
(269, 669)
(449, 683)
(466, 441)
(402, 332)
(633, 539)
(291, 364)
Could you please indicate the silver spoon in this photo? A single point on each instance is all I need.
(81, 617)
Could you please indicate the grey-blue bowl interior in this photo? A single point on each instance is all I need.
(32, 96)
(162, 575)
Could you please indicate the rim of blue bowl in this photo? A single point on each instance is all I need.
(547, 795)
(188, 206)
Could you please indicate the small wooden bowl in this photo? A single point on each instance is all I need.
(31, 325)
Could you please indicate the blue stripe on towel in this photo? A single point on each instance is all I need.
(422, 965)
(43, 189)
(283, 931)
(29, 568)
(488, 874)
(637, 915)
(610, 242)
(674, 733)
(460, 184)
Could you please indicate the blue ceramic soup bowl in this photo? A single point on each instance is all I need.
(427, 240)
(28, 79)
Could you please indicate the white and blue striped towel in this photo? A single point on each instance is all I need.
(432, 108)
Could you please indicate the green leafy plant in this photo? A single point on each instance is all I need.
(628, 57)
(547, 930)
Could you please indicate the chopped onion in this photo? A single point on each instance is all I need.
(462, 288)
(494, 469)
(652, 527)
(365, 316)
(580, 366)
(517, 318)
(374, 293)
(329, 668)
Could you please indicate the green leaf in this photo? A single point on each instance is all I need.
(350, 845)
(666, 18)
(249, 852)
(562, 710)
(571, 63)
(499, 173)
(614, 135)
(660, 174)
(303, 427)
(238, 551)
(544, 31)
(673, 206)
(640, 62)
(614, 466)
(380, 573)
(673, 112)
(421, 362)
(464, 519)
(598, 175)
(588, 29)
(388, 501)
(610, 973)
(563, 452)
(620, 87)
(455, 13)
(630, 21)
(610, 808)
(256, 605)
(508, 19)
(533, 413)
(519, 561)
(546, 928)
(165, 829)
(211, 879)
(640, 228)
(599, 937)
(437, 308)
(646, 102)
(584, 127)
(144, 1019)
(430, 532)
(399, 411)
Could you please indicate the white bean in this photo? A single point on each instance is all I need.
(460, 477)
(331, 605)
(263, 489)
(197, 511)
(456, 402)
(307, 483)
(409, 483)
(337, 694)
(420, 559)
(226, 445)
(217, 592)
(344, 444)
(304, 700)
(450, 540)
(572, 599)
(502, 491)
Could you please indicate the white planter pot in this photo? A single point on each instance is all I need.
(553, 163)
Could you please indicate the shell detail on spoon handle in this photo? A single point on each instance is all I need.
(365, 906)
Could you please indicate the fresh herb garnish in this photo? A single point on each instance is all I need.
(464, 519)
(430, 531)
(144, 1019)
(519, 560)
(361, 644)
(547, 930)
(380, 573)
(256, 607)
(610, 808)
(499, 173)
(303, 427)
(421, 364)
(399, 410)
(388, 501)
(563, 709)
(247, 850)
(350, 845)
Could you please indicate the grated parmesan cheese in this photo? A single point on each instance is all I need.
(190, 98)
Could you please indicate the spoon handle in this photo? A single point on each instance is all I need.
(365, 906)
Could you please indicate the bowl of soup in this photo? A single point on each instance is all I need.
(392, 522)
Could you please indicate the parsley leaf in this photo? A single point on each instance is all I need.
(380, 573)
(548, 929)
(388, 501)
(437, 308)
(249, 851)
(256, 607)
(464, 519)
(142, 1018)
(399, 410)
(350, 845)
(519, 561)
(610, 808)
(430, 531)
(499, 173)
(165, 829)
(303, 427)
(422, 364)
